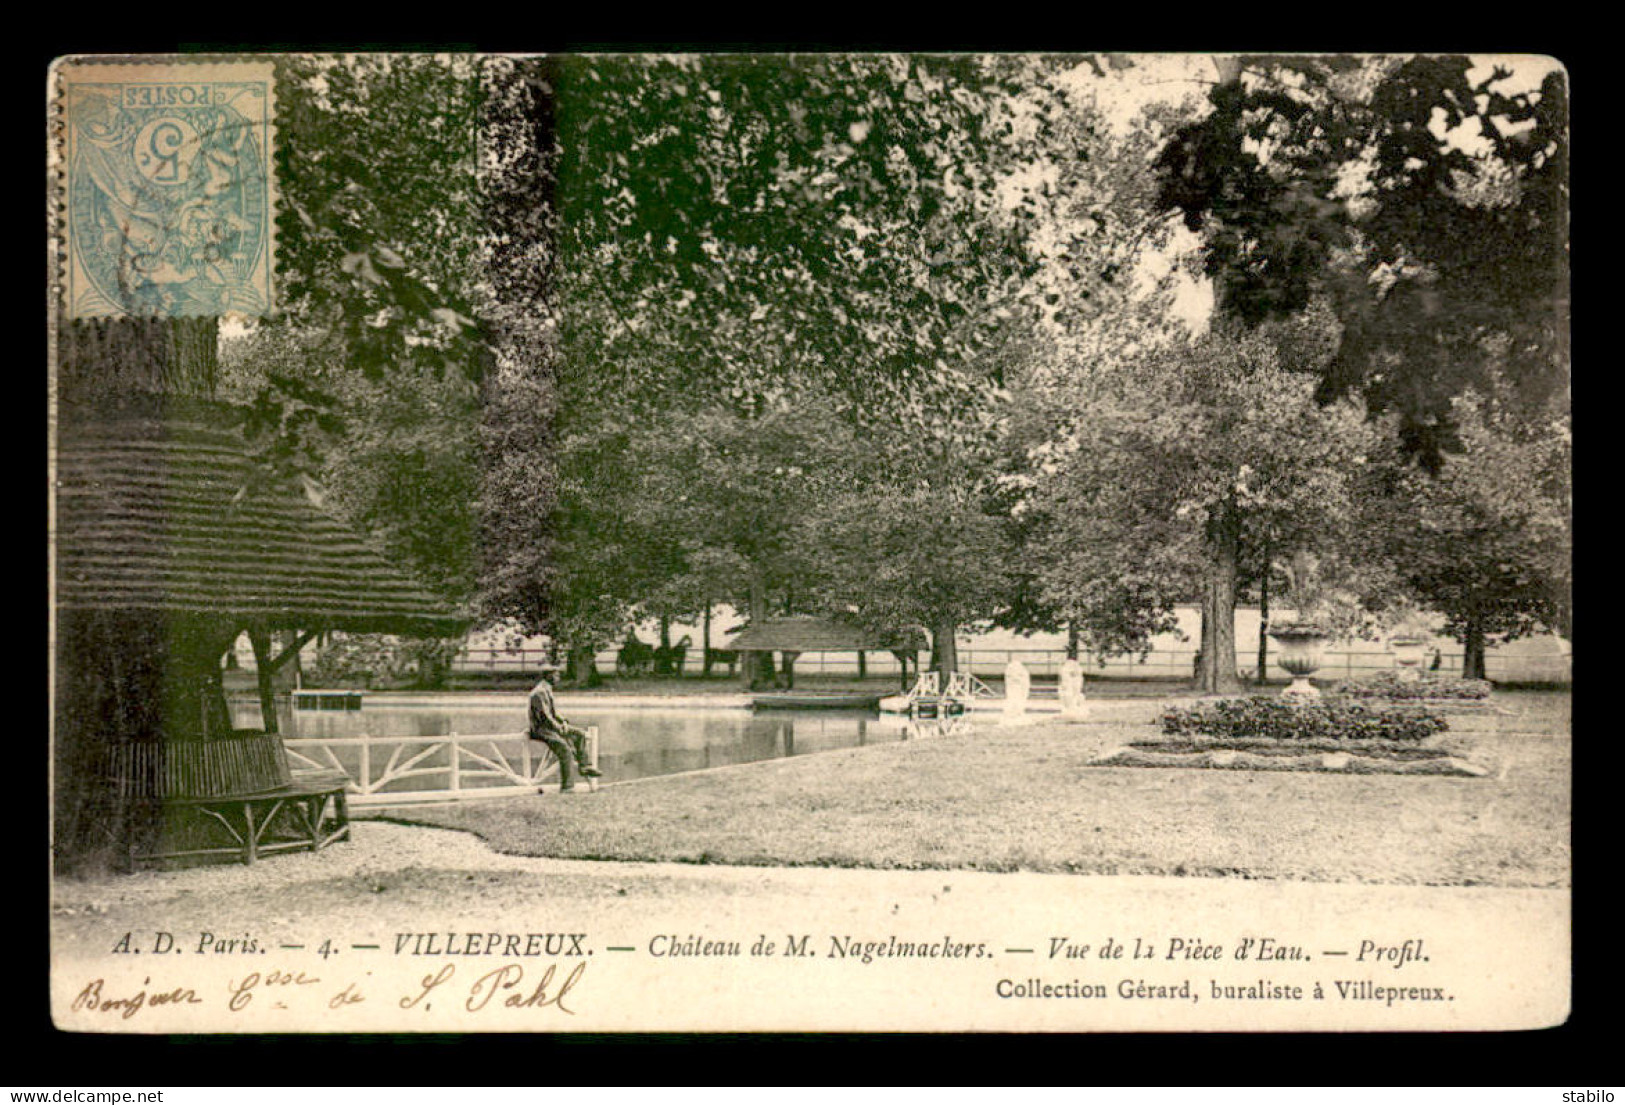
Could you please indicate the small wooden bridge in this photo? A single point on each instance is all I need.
(931, 697)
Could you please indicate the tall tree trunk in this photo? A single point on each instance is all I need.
(581, 666)
(104, 362)
(944, 650)
(1472, 660)
(128, 677)
(264, 677)
(863, 664)
(705, 646)
(1218, 670)
(1264, 619)
(758, 666)
(1072, 640)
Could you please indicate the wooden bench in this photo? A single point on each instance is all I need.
(305, 816)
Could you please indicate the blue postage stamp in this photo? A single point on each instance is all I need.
(169, 187)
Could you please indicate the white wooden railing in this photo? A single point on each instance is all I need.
(388, 771)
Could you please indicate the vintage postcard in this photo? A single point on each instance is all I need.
(823, 542)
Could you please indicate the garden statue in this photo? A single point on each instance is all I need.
(1017, 685)
(1071, 689)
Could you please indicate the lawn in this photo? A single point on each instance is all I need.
(1025, 798)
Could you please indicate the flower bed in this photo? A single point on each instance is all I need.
(1428, 688)
(1290, 757)
(1340, 720)
(1389, 750)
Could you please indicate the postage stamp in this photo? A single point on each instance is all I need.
(168, 193)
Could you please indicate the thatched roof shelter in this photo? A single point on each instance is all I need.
(170, 513)
(171, 540)
(809, 634)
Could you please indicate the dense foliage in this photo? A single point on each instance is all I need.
(379, 660)
(1488, 541)
(1172, 470)
(890, 337)
(760, 260)
(1425, 685)
(1426, 198)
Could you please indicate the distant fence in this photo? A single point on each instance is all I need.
(1172, 663)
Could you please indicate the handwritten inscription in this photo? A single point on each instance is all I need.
(506, 987)
(508, 980)
(243, 992)
(93, 1000)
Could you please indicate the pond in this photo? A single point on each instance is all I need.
(634, 742)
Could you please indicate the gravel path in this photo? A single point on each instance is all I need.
(375, 848)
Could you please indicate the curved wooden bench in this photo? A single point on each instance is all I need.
(306, 815)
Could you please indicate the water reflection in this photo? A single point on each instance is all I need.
(633, 743)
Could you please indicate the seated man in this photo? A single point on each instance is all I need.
(568, 742)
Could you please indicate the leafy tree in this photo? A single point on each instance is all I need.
(402, 261)
(1426, 200)
(722, 496)
(1488, 541)
(744, 237)
(396, 457)
(591, 564)
(393, 457)
(1425, 197)
(915, 550)
(736, 223)
(518, 495)
(1169, 471)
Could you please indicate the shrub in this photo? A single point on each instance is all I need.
(375, 660)
(1387, 684)
(1282, 719)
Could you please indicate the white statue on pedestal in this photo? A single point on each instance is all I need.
(1017, 685)
(1071, 689)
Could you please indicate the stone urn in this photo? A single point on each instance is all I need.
(1302, 650)
(1409, 650)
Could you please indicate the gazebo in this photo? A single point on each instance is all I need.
(791, 636)
(172, 540)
